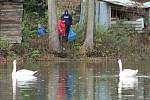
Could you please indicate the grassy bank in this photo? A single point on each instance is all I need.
(113, 42)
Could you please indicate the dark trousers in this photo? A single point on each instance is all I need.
(67, 29)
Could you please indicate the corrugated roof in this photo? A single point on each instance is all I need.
(127, 3)
(146, 4)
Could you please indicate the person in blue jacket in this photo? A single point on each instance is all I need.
(68, 21)
(41, 31)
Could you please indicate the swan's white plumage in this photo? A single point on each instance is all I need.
(25, 72)
(126, 72)
(22, 74)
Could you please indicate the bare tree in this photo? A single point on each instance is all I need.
(53, 36)
(88, 43)
(83, 14)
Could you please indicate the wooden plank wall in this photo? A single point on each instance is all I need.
(137, 25)
(10, 21)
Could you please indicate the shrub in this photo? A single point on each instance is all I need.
(113, 41)
(4, 48)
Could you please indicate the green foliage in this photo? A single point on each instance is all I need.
(29, 31)
(79, 35)
(35, 54)
(25, 51)
(79, 39)
(35, 12)
(4, 47)
(36, 6)
(113, 41)
(30, 25)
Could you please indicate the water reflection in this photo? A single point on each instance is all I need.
(52, 81)
(61, 82)
(77, 81)
(20, 86)
(102, 89)
(70, 85)
(127, 84)
(14, 88)
(90, 84)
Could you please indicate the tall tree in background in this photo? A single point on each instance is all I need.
(53, 36)
(88, 43)
(83, 14)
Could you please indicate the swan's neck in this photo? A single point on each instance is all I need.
(14, 67)
(120, 65)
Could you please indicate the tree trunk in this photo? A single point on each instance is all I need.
(53, 35)
(83, 14)
(88, 43)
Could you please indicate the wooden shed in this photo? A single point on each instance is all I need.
(108, 12)
(11, 12)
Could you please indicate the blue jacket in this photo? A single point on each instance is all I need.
(41, 31)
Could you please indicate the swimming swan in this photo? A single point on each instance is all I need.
(22, 73)
(126, 72)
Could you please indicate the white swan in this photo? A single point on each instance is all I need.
(22, 74)
(126, 72)
(21, 77)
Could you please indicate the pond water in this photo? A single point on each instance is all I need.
(77, 81)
